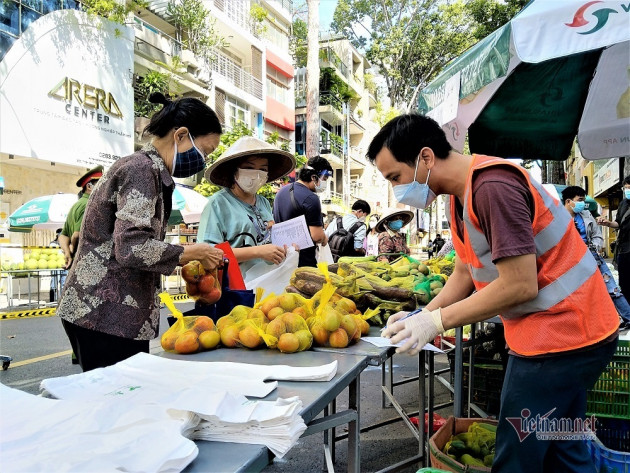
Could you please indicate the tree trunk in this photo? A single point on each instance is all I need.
(543, 171)
(556, 172)
(312, 81)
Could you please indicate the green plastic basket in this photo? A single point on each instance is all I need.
(610, 397)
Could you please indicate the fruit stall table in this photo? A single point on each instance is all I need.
(315, 396)
(382, 356)
(33, 289)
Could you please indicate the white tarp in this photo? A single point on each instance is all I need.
(605, 125)
(547, 29)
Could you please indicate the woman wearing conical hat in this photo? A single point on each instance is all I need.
(391, 242)
(237, 214)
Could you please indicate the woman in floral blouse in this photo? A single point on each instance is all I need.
(391, 242)
(109, 307)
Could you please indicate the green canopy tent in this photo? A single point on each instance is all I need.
(558, 70)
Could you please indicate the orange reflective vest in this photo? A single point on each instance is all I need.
(572, 309)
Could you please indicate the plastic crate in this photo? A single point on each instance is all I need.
(607, 460)
(610, 397)
(487, 384)
(614, 433)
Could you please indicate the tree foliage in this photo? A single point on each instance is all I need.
(489, 15)
(298, 43)
(409, 41)
(111, 9)
(196, 27)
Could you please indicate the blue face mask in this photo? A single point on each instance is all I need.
(626, 193)
(395, 225)
(415, 194)
(188, 163)
(579, 206)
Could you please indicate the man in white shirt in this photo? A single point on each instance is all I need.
(354, 223)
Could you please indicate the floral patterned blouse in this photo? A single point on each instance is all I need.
(114, 281)
(392, 242)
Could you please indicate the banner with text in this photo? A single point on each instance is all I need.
(66, 91)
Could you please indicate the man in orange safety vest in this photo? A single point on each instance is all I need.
(518, 256)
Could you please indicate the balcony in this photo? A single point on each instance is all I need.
(235, 75)
(238, 12)
(153, 43)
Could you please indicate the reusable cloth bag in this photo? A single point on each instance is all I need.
(271, 277)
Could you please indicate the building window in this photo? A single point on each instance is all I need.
(278, 91)
(276, 35)
(16, 16)
(236, 111)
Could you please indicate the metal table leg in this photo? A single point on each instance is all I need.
(354, 444)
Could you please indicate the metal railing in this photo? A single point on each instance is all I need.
(226, 68)
(174, 46)
(238, 11)
(331, 146)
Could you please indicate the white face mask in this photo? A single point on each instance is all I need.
(250, 180)
(373, 223)
(320, 186)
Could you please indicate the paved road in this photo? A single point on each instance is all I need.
(40, 350)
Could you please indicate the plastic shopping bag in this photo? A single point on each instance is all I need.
(272, 278)
(324, 255)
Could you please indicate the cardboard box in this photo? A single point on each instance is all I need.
(453, 426)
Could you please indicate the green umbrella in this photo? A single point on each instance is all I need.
(46, 212)
(557, 70)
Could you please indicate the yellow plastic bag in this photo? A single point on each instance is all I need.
(189, 334)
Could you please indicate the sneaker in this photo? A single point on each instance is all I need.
(624, 325)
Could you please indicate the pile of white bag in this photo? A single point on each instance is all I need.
(201, 400)
(38, 434)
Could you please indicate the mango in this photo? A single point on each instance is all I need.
(249, 337)
(229, 336)
(187, 342)
(209, 339)
(338, 338)
(288, 343)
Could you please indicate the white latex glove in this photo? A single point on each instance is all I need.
(419, 329)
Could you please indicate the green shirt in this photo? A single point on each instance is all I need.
(75, 216)
(227, 218)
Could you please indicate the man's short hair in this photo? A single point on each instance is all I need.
(315, 167)
(572, 192)
(363, 206)
(404, 136)
(626, 181)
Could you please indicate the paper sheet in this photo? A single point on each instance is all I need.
(386, 342)
(290, 232)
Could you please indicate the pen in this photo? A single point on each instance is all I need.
(413, 312)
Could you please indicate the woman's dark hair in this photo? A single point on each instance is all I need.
(314, 167)
(626, 181)
(405, 135)
(189, 112)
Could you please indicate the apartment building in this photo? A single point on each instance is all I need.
(248, 80)
(346, 109)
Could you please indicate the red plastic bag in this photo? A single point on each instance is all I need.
(234, 272)
(438, 421)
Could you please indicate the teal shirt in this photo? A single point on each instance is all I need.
(227, 218)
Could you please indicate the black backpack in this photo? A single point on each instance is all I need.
(342, 241)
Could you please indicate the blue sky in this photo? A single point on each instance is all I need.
(326, 10)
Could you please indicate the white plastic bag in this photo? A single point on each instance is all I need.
(271, 277)
(324, 254)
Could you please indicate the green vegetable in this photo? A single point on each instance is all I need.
(470, 460)
(488, 459)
